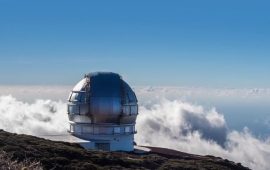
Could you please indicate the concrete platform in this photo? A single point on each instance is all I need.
(141, 150)
(67, 137)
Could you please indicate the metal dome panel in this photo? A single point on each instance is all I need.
(80, 86)
(103, 97)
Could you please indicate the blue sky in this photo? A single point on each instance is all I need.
(171, 43)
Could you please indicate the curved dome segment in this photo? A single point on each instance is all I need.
(105, 85)
(129, 95)
(103, 97)
(80, 86)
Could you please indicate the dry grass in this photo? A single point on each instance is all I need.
(6, 163)
(25, 152)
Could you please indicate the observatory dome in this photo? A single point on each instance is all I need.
(102, 109)
(102, 98)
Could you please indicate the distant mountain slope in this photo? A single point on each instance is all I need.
(61, 155)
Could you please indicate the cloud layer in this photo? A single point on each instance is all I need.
(190, 128)
(166, 119)
(38, 118)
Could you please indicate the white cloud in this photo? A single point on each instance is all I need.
(32, 93)
(40, 117)
(169, 117)
(190, 128)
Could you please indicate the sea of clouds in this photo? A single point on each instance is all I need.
(184, 119)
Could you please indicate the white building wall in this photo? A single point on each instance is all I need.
(112, 138)
(120, 143)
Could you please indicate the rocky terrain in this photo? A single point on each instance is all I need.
(29, 152)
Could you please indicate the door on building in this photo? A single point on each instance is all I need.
(102, 146)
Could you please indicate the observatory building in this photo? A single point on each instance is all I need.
(102, 109)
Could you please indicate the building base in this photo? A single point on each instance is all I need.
(107, 143)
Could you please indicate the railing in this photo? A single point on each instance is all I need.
(102, 129)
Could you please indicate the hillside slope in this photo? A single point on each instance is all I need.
(61, 155)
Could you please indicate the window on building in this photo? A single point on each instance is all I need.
(73, 109)
(134, 109)
(74, 97)
(130, 109)
(96, 130)
(87, 129)
(78, 97)
(82, 97)
(77, 129)
(71, 128)
(116, 130)
(127, 129)
(126, 109)
(102, 146)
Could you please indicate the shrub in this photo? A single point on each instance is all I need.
(7, 163)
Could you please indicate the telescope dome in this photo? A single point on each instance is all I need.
(102, 97)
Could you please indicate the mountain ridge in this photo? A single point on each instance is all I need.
(63, 155)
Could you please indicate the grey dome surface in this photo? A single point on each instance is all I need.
(102, 97)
